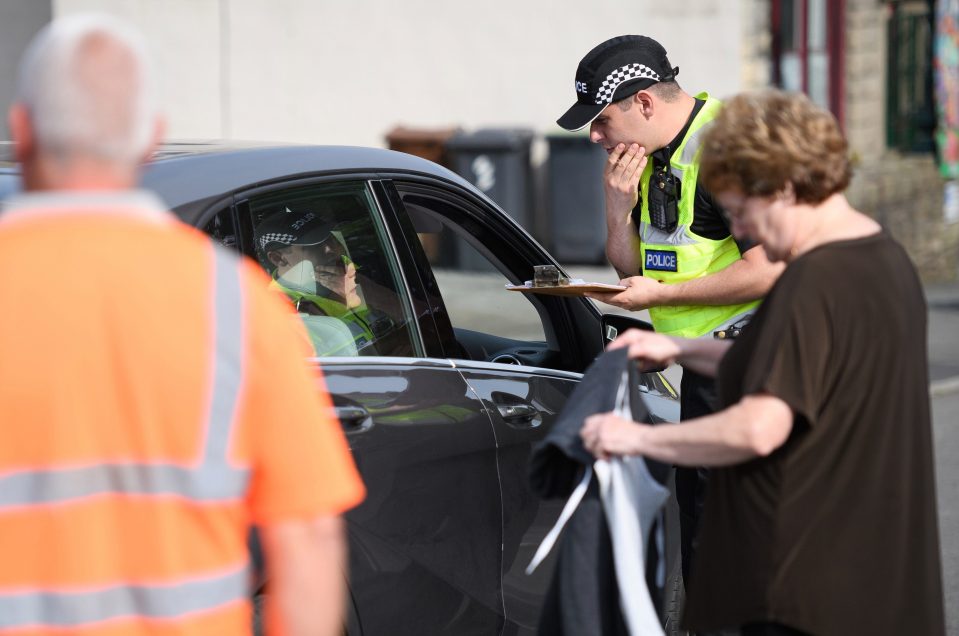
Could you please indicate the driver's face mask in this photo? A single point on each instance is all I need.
(299, 278)
(663, 198)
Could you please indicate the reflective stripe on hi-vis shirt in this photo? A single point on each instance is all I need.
(33, 608)
(211, 478)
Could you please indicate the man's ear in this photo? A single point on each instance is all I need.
(21, 132)
(644, 100)
(156, 137)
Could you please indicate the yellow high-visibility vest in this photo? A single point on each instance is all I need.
(682, 255)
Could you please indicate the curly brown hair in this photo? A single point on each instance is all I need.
(763, 140)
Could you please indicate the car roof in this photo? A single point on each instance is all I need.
(186, 171)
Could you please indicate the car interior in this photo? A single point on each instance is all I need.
(501, 326)
(351, 305)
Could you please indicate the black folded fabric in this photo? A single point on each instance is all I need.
(583, 596)
(557, 462)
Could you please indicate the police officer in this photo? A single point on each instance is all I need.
(308, 260)
(666, 236)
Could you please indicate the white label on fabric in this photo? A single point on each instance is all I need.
(629, 494)
(544, 548)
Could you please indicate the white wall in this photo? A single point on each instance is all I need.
(347, 71)
(19, 20)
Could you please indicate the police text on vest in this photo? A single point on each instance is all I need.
(660, 261)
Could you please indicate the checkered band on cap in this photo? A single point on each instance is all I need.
(276, 237)
(625, 73)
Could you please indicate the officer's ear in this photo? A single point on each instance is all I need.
(644, 101)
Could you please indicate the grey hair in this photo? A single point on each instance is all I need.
(84, 103)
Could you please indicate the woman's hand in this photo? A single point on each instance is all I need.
(651, 350)
(606, 435)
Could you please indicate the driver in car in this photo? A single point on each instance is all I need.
(309, 262)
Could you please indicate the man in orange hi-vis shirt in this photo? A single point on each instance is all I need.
(154, 401)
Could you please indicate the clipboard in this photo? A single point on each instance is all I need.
(574, 288)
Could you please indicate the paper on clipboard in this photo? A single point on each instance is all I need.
(575, 287)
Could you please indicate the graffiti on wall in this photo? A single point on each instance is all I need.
(947, 85)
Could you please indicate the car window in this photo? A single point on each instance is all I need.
(493, 310)
(328, 254)
(222, 229)
(471, 280)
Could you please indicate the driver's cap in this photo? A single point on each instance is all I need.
(290, 228)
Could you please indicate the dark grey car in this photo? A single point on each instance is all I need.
(442, 379)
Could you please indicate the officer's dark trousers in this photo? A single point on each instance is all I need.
(697, 397)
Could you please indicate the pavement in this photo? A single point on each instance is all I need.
(943, 340)
(945, 415)
(943, 301)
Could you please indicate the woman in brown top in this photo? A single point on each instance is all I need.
(822, 517)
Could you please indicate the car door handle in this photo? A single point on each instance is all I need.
(517, 411)
(353, 418)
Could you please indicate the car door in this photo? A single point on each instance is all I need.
(522, 356)
(515, 353)
(425, 544)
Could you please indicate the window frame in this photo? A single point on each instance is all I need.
(835, 49)
(910, 96)
(514, 252)
(380, 216)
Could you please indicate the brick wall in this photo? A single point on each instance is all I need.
(903, 192)
(756, 45)
(865, 75)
